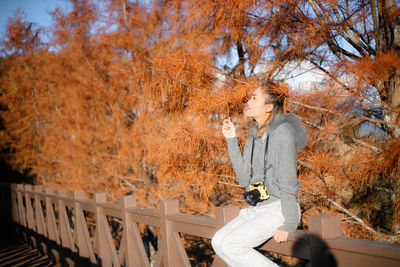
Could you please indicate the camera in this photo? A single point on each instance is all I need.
(257, 193)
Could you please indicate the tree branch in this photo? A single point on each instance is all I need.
(359, 99)
(354, 36)
(336, 113)
(372, 147)
(349, 33)
(346, 211)
(336, 49)
(225, 183)
(374, 16)
(309, 166)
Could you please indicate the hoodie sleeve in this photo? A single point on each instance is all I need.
(285, 169)
(241, 164)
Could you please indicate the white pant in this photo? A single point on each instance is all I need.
(235, 241)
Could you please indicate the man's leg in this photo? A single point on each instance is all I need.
(256, 226)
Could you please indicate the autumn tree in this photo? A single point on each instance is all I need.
(356, 45)
(129, 97)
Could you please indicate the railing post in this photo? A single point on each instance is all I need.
(14, 203)
(65, 228)
(101, 246)
(127, 242)
(170, 255)
(40, 223)
(135, 254)
(29, 209)
(21, 207)
(223, 216)
(52, 229)
(325, 225)
(82, 237)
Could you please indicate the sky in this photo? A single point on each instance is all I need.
(36, 11)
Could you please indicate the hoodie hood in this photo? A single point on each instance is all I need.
(300, 132)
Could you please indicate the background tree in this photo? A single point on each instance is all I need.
(130, 96)
(356, 45)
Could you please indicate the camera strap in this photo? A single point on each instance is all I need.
(265, 159)
(251, 160)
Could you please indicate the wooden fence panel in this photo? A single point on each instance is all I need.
(171, 253)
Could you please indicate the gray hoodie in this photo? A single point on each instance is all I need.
(287, 135)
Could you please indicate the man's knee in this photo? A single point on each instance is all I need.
(232, 246)
(216, 241)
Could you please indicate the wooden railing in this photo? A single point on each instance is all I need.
(57, 224)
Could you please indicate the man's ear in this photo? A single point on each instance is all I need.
(269, 107)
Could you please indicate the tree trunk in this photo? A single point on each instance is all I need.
(387, 39)
(240, 51)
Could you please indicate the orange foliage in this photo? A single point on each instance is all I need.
(130, 98)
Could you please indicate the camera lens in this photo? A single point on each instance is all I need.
(252, 197)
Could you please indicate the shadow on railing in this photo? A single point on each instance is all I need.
(75, 230)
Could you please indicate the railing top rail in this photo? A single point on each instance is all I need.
(368, 247)
(194, 220)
